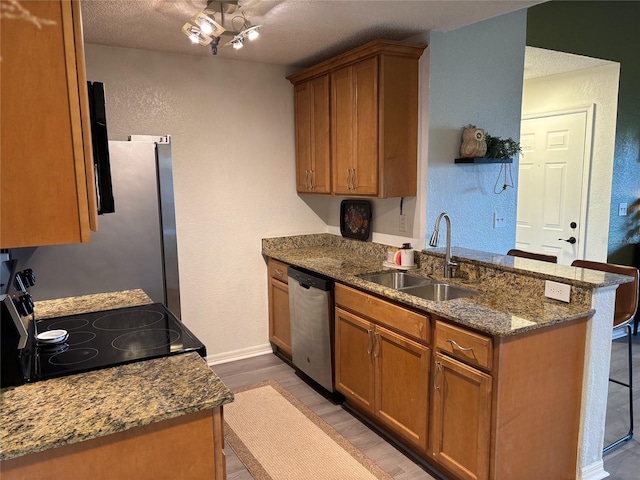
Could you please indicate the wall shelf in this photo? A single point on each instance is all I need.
(483, 160)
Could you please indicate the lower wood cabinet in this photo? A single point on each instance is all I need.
(383, 373)
(189, 446)
(279, 321)
(460, 433)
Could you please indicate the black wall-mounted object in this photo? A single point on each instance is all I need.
(100, 142)
(355, 219)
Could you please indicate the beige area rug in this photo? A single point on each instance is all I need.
(279, 438)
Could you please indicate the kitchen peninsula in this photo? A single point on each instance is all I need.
(504, 384)
(147, 419)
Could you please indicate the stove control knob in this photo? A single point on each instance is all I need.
(24, 305)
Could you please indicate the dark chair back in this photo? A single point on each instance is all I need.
(626, 293)
(514, 252)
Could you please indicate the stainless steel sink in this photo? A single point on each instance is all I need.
(439, 292)
(418, 286)
(396, 280)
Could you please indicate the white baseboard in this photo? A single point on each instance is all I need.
(238, 354)
(595, 471)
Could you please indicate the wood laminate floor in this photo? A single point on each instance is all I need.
(622, 462)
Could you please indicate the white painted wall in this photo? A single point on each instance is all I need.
(592, 86)
(476, 78)
(233, 157)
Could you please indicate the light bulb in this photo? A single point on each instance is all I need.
(193, 37)
(237, 44)
(206, 27)
(253, 34)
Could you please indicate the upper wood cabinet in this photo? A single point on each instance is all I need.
(373, 98)
(313, 169)
(47, 187)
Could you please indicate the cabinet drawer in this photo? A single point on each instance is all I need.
(470, 347)
(277, 270)
(406, 321)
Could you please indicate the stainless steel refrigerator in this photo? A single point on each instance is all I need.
(134, 247)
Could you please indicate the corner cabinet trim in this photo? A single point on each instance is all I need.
(367, 50)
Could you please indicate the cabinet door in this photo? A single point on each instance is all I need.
(342, 129)
(354, 128)
(47, 174)
(313, 154)
(365, 163)
(279, 322)
(460, 432)
(401, 385)
(354, 360)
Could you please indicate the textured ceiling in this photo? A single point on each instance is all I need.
(294, 32)
(541, 63)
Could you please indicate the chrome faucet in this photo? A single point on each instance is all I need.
(449, 266)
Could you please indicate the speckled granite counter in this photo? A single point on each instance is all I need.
(90, 303)
(47, 414)
(511, 299)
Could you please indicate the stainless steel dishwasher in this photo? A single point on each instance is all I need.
(311, 314)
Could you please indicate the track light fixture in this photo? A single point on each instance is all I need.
(208, 24)
(204, 29)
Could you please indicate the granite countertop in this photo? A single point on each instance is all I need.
(513, 304)
(51, 413)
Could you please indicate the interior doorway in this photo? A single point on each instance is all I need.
(558, 84)
(553, 182)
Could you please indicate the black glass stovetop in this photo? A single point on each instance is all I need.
(111, 337)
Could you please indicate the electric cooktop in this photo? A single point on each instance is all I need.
(109, 338)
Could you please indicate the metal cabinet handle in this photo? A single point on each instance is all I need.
(279, 272)
(435, 376)
(457, 345)
(310, 179)
(376, 345)
(348, 179)
(368, 342)
(353, 179)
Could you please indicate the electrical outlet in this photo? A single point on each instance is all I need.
(403, 223)
(557, 291)
(499, 221)
(622, 210)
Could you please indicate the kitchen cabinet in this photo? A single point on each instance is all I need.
(279, 321)
(373, 92)
(189, 446)
(382, 371)
(313, 162)
(354, 122)
(506, 407)
(47, 188)
(460, 433)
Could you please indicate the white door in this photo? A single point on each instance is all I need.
(552, 174)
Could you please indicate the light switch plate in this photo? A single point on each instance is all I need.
(499, 220)
(403, 223)
(557, 291)
(622, 210)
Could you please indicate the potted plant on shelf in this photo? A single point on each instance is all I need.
(502, 149)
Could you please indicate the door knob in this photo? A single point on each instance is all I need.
(571, 240)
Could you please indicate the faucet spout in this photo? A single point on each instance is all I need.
(449, 266)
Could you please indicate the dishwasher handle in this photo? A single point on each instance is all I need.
(308, 279)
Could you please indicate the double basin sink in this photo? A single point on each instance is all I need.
(422, 287)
